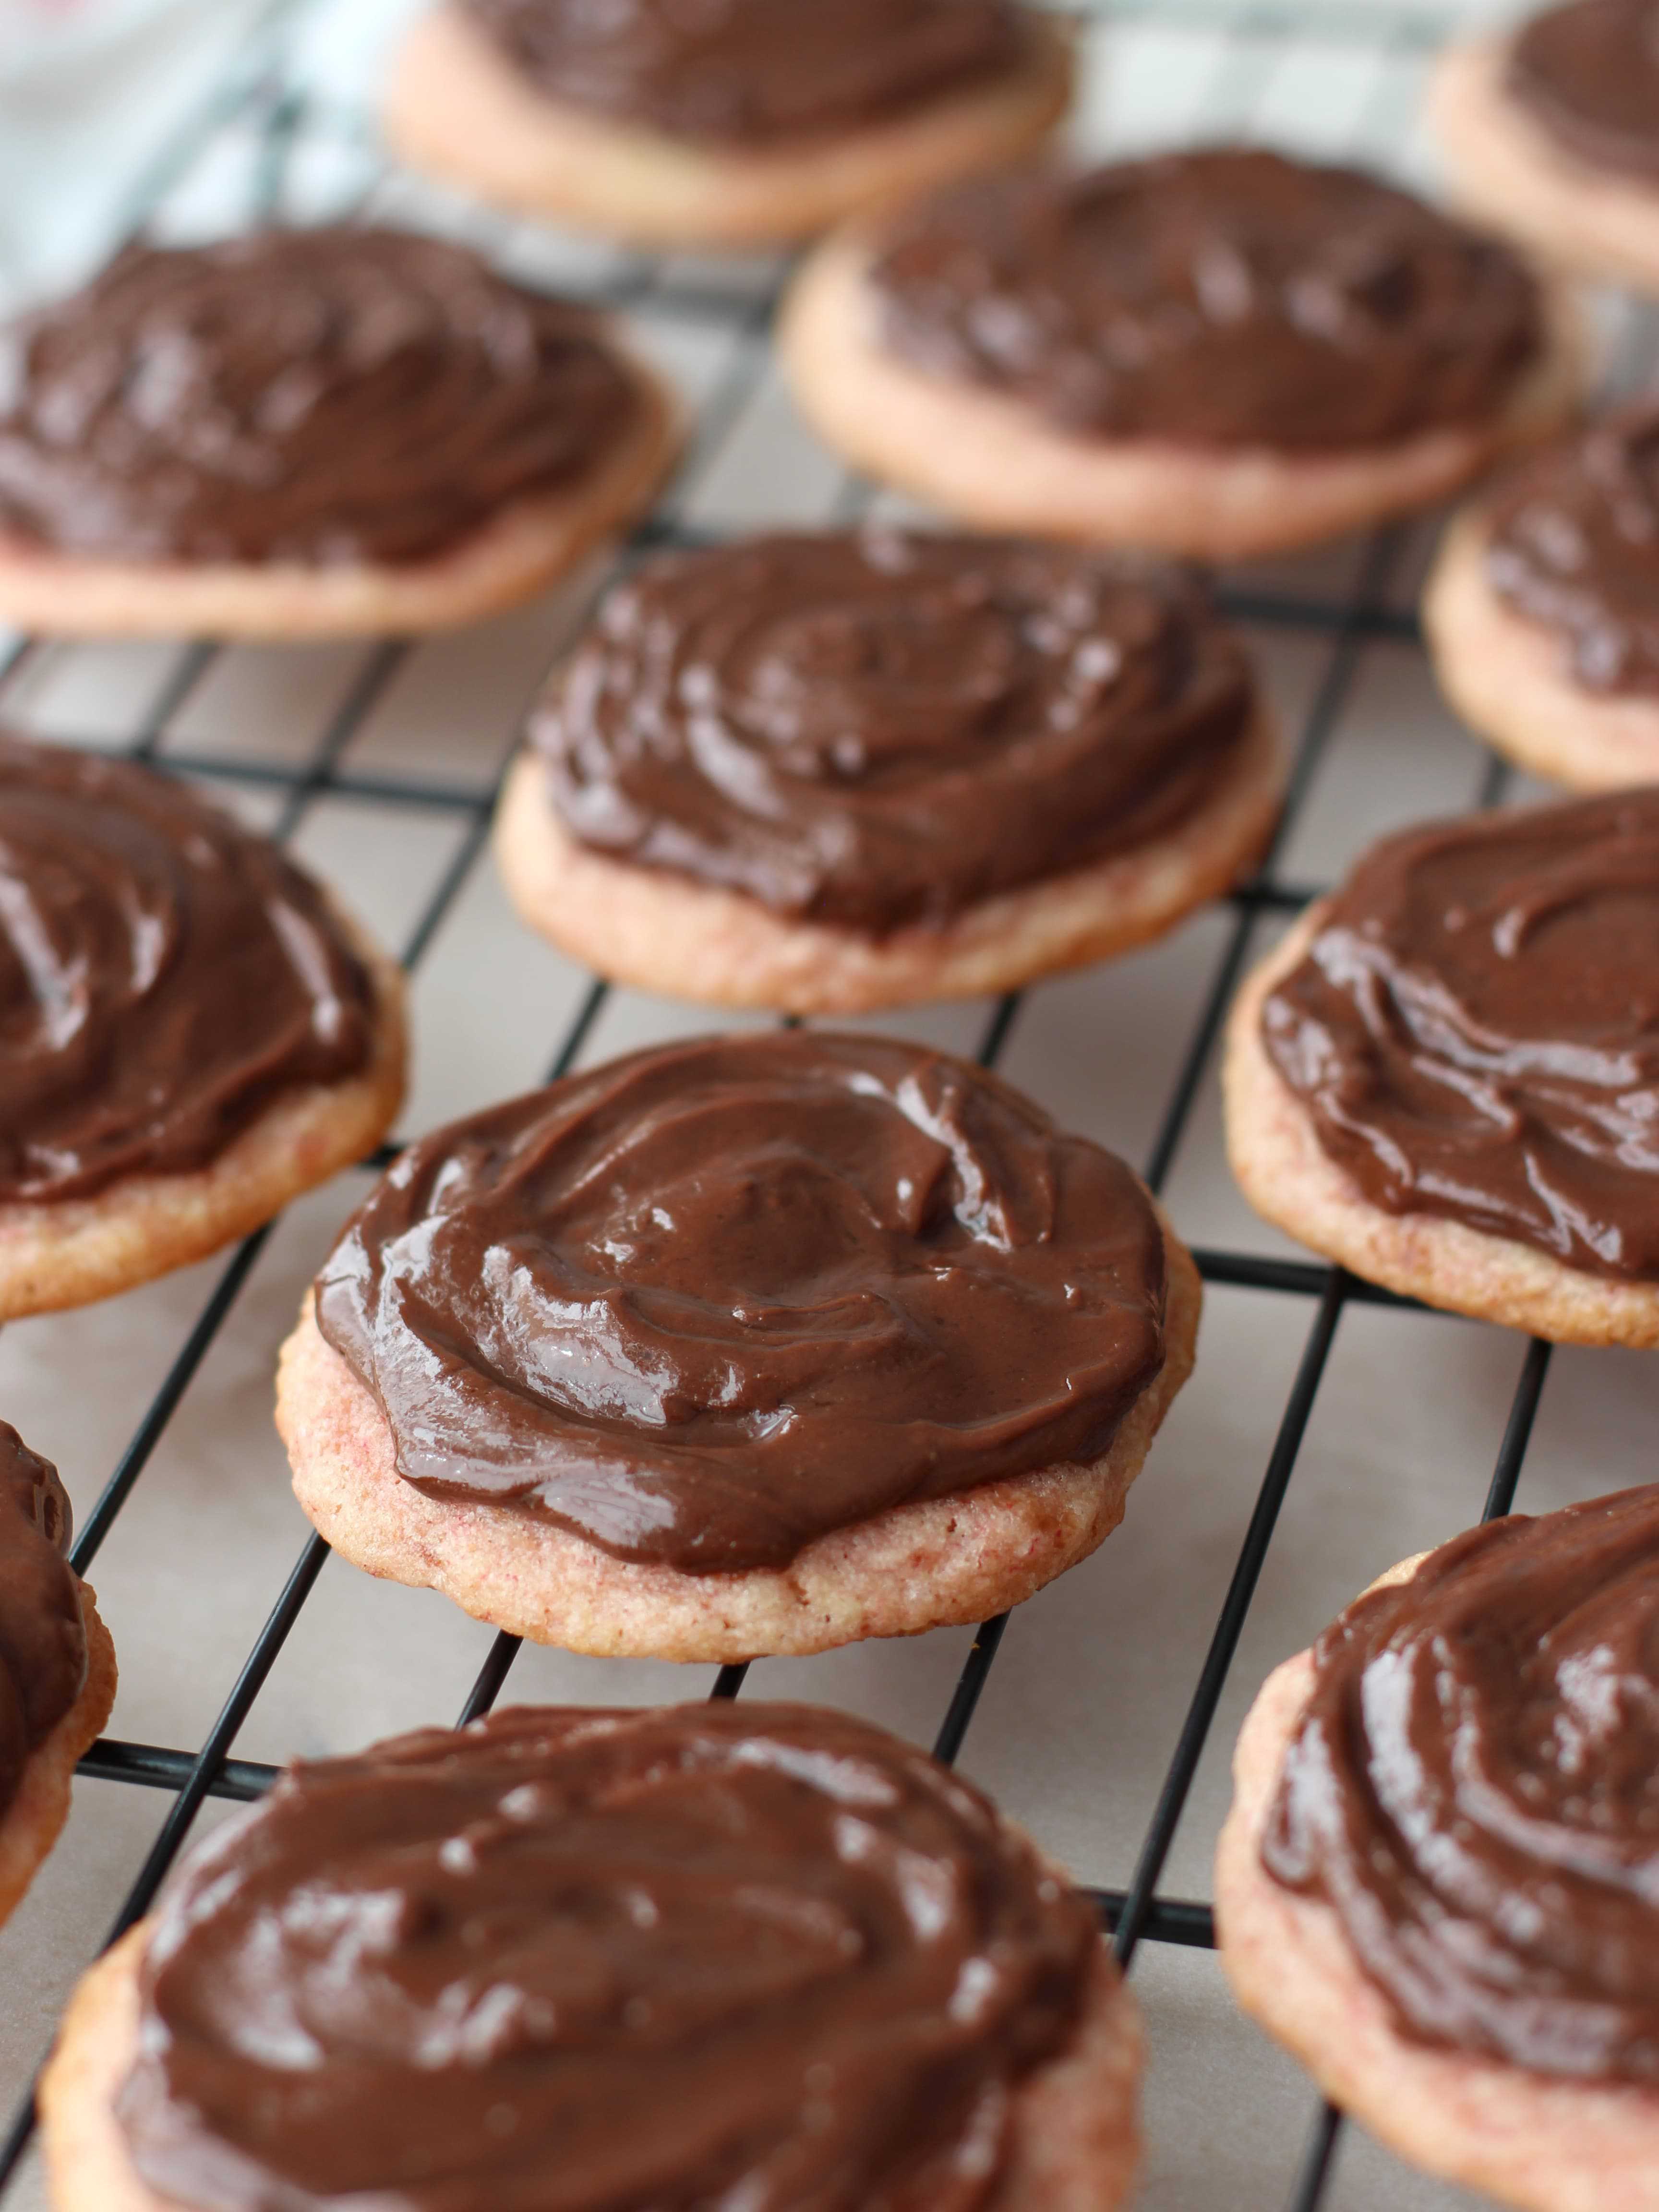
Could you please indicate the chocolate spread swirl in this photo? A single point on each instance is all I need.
(318, 396)
(164, 976)
(707, 1303)
(750, 72)
(1220, 298)
(1474, 1032)
(1589, 73)
(573, 1961)
(1473, 1788)
(43, 1639)
(880, 729)
(1574, 545)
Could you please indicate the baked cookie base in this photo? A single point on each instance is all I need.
(1532, 2141)
(1074, 2144)
(523, 551)
(935, 1564)
(458, 110)
(1281, 1168)
(70, 1251)
(665, 933)
(1508, 173)
(1511, 679)
(34, 1819)
(998, 465)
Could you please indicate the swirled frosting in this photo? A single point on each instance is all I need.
(1474, 1031)
(1589, 73)
(164, 976)
(1574, 545)
(318, 396)
(705, 1303)
(43, 1639)
(880, 729)
(1472, 1787)
(714, 1954)
(748, 72)
(1218, 298)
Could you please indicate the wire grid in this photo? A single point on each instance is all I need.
(262, 111)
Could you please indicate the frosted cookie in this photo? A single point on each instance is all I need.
(1447, 1076)
(744, 1345)
(743, 126)
(1224, 353)
(831, 773)
(1552, 135)
(1436, 1885)
(1542, 611)
(57, 1665)
(706, 1955)
(191, 1034)
(310, 432)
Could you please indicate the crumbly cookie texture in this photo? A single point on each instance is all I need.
(668, 933)
(524, 551)
(1075, 2142)
(35, 1819)
(1542, 2145)
(456, 109)
(1508, 173)
(72, 1251)
(930, 1565)
(987, 458)
(1511, 679)
(1282, 1168)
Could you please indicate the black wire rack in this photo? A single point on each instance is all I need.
(277, 122)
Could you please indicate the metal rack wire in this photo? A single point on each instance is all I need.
(260, 100)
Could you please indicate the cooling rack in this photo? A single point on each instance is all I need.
(380, 763)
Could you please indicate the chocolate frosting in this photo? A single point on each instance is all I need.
(1590, 74)
(164, 976)
(1220, 298)
(1574, 545)
(747, 72)
(319, 396)
(1474, 1031)
(577, 1961)
(43, 1639)
(708, 1301)
(1472, 1787)
(880, 729)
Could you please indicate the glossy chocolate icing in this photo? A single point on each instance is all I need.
(43, 1639)
(1590, 74)
(749, 72)
(1474, 1788)
(164, 976)
(880, 729)
(568, 1961)
(320, 396)
(1574, 545)
(1226, 297)
(707, 1303)
(1474, 1032)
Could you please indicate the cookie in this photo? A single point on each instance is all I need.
(1055, 352)
(696, 1985)
(302, 433)
(194, 1035)
(1540, 609)
(1463, 2020)
(750, 127)
(831, 772)
(1440, 1078)
(56, 1661)
(1551, 134)
(751, 1345)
